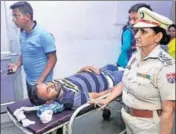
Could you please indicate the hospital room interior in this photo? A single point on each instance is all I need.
(85, 33)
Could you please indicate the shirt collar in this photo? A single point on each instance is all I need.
(32, 30)
(152, 55)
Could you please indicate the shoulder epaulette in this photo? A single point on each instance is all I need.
(165, 59)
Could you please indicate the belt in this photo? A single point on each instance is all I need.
(141, 113)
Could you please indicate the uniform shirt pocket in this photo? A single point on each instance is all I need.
(142, 81)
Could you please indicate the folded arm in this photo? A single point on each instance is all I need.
(113, 94)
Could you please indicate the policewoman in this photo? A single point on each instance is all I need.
(148, 84)
(149, 79)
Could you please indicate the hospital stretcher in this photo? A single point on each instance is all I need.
(62, 120)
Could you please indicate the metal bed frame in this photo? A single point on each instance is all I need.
(67, 126)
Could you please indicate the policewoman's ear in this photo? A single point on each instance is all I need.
(158, 37)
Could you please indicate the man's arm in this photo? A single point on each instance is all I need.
(166, 88)
(95, 95)
(115, 92)
(19, 61)
(52, 59)
(167, 117)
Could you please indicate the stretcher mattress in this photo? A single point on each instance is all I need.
(39, 127)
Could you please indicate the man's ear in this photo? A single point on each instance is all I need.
(28, 16)
(159, 36)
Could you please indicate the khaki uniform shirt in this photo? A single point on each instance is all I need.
(149, 81)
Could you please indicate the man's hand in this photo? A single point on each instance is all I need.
(38, 82)
(12, 66)
(94, 95)
(90, 69)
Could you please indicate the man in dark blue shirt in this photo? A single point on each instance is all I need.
(77, 89)
(127, 40)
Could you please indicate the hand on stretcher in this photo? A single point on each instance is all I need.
(100, 102)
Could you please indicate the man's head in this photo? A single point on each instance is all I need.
(46, 92)
(22, 13)
(172, 31)
(134, 17)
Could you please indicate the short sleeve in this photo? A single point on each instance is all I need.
(48, 42)
(166, 83)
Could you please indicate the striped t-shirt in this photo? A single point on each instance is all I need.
(88, 82)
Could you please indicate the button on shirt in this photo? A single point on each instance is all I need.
(35, 45)
(146, 82)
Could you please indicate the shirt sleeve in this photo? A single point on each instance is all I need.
(48, 42)
(166, 83)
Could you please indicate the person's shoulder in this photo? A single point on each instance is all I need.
(167, 67)
(44, 33)
(41, 29)
(166, 59)
(173, 41)
(127, 32)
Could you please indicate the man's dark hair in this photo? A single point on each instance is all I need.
(34, 98)
(173, 25)
(136, 7)
(24, 7)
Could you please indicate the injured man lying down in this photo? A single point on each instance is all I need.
(68, 93)
(77, 89)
